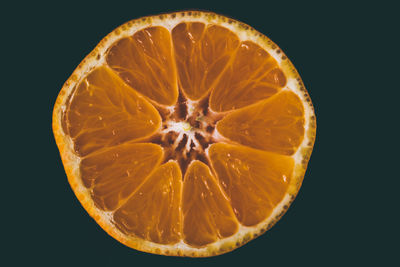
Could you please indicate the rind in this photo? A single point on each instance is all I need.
(96, 58)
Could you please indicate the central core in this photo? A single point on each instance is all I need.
(179, 127)
(188, 129)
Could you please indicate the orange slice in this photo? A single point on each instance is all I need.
(207, 213)
(275, 124)
(242, 173)
(153, 211)
(185, 134)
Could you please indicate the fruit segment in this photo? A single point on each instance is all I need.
(255, 181)
(104, 112)
(114, 174)
(153, 212)
(275, 124)
(252, 76)
(207, 215)
(145, 62)
(201, 54)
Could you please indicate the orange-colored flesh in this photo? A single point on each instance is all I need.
(207, 213)
(111, 111)
(275, 124)
(253, 75)
(144, 61)
(201, 55)
(153, 212)
(114, 174)
(105, 112)
(255, 181)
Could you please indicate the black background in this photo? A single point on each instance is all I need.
(340, 216)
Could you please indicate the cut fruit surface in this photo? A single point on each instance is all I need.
(254, 181)
(144, 61)
(185, 134)
(201, 55)
(104, 112)
(153, 211)
(207, 213)
(252, 75)
(114, 174)
(276, 124)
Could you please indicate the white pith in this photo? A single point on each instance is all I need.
(182, 128)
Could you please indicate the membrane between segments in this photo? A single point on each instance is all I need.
(237, 75)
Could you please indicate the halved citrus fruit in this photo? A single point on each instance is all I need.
(185, 134)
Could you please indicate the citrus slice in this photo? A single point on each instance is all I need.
(185, 134)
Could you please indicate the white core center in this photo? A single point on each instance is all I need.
(182, 128)
(179, 127)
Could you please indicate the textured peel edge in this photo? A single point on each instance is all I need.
(96, 58)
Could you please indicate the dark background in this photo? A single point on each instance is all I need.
(341, 215)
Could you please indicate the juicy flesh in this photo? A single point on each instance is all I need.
(185, 135)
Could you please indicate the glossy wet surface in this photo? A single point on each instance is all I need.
(186, 134)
